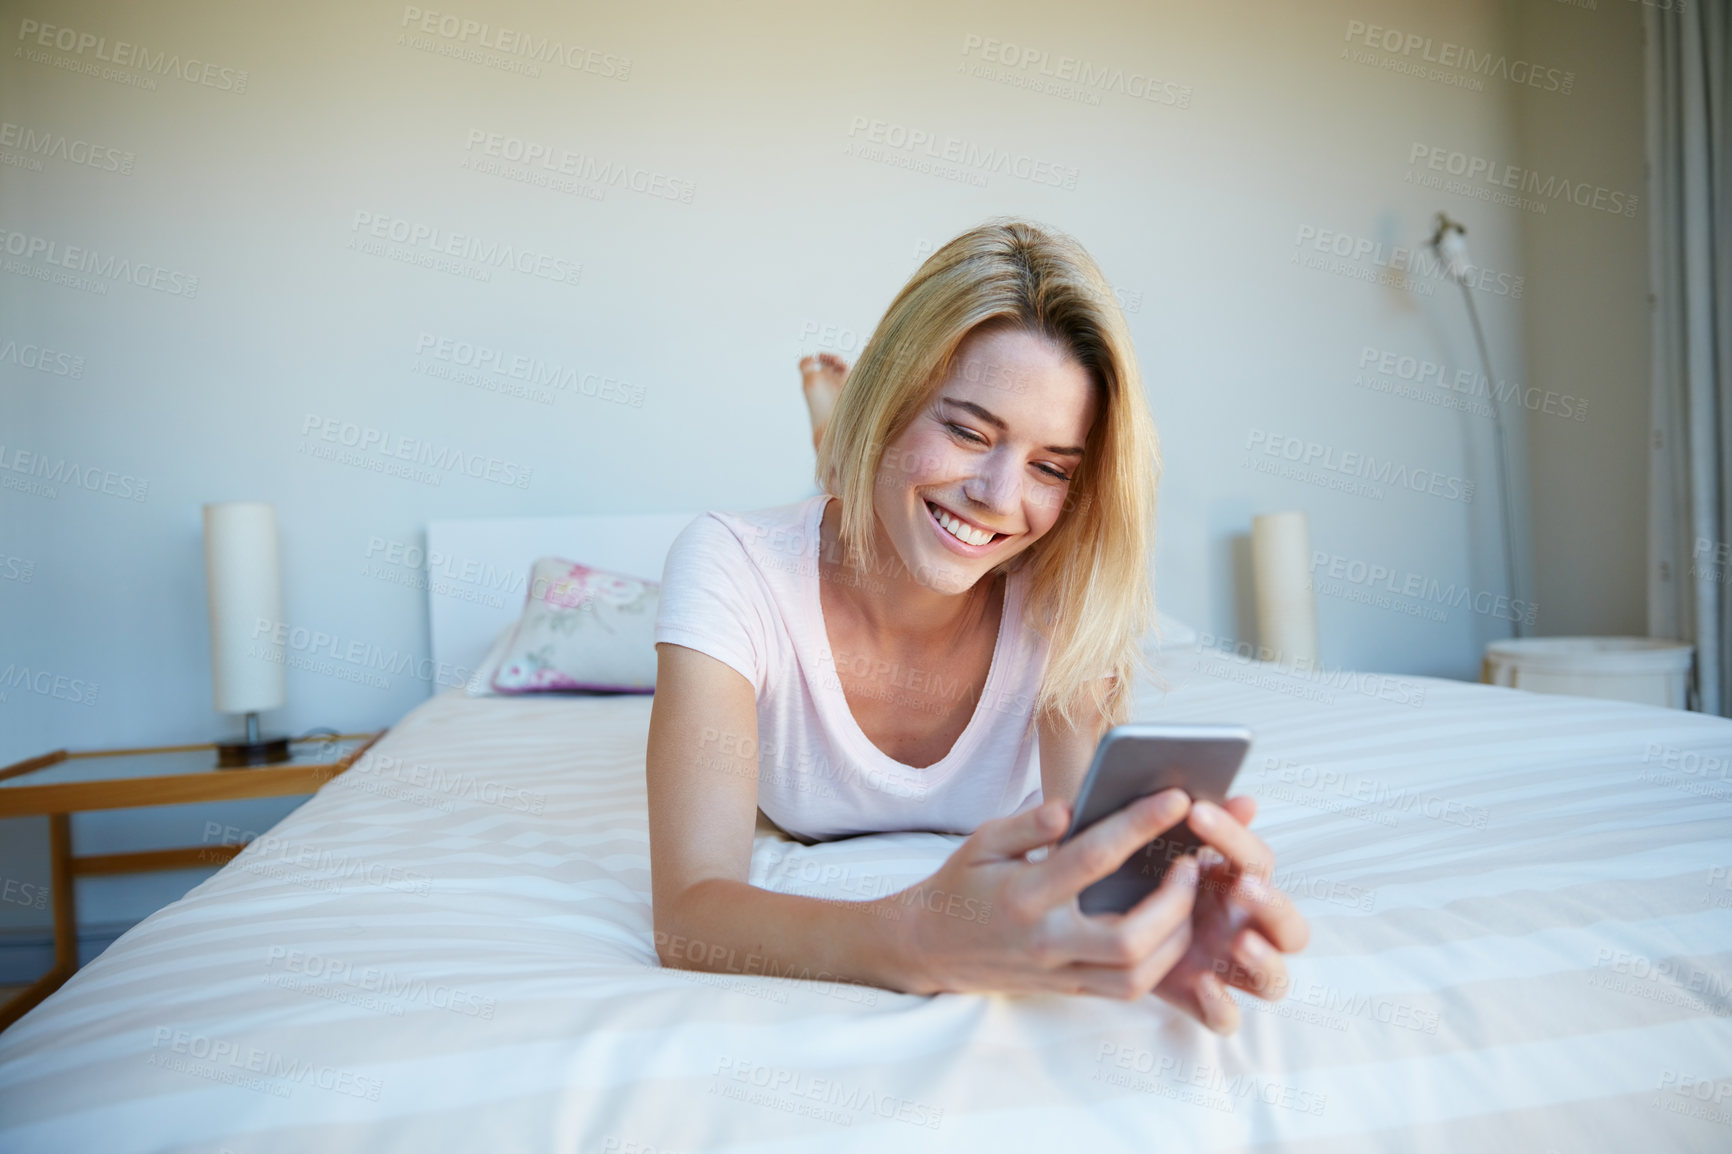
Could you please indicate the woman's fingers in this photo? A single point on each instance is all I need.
(1243, 808)
(1129, 982)
(1256, 967)
(1102, 848)
(1219, 1011)
(1275, 917)
(1127, 940)
(1014, 836)
(1205, 931)
(1219, 828)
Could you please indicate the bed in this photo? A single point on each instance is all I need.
(1522, 940)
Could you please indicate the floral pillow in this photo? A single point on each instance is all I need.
(582, 628)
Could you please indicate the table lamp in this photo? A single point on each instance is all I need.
(1281, 573)
(244, 583)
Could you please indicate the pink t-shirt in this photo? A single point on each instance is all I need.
(743, 588)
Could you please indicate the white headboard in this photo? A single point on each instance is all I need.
(478, 569)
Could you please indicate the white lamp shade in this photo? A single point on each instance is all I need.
(1281, 568)
(1453, 246)
(244, 580)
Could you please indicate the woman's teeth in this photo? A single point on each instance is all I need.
(967, 534)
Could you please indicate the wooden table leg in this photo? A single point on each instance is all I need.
(65, 924)
(60, 885)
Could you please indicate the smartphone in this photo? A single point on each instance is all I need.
(1144, 758)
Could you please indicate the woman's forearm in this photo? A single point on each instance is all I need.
(725, 926)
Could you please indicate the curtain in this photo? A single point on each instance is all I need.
(1689, 131)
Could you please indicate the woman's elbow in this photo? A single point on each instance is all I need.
(675, 943)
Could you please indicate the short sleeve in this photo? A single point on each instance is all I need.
(713, 599)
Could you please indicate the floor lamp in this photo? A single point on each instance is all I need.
(1449, 241)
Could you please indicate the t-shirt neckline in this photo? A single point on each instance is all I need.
(833, 703)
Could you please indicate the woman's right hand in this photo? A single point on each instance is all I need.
(991, 920)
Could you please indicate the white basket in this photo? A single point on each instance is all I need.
(1648, 670)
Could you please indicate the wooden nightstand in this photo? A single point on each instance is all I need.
(60, 784)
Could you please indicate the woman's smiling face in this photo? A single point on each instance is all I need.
(983, 471)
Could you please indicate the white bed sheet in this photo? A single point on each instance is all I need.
(1521, 906)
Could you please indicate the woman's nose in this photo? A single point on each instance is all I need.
(995, 486)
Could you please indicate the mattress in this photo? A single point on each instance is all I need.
(1521, 909)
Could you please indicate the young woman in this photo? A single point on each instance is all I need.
(938, 641)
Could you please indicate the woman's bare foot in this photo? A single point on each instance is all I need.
(821, 378)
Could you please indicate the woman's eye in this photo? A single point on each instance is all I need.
(974, 438)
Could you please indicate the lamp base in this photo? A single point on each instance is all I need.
(242, 753)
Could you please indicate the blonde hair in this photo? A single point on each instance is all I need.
(1089, 589)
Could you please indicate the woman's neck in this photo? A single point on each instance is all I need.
(892, 606)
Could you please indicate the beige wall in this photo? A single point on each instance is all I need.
(1586, 323)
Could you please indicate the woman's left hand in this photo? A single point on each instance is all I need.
(1240, 926)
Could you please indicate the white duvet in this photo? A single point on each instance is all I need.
(1522, 940)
